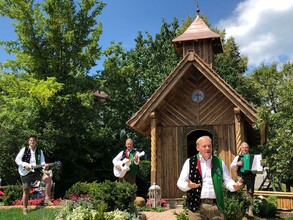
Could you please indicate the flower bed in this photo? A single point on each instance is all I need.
(40, 201)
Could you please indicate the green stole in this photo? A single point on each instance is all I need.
(217, 176)
(38, 156)
(133, 167)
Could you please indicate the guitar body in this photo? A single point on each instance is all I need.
(124, 164)
(22, 171)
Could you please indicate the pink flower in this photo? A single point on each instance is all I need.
(163, 203)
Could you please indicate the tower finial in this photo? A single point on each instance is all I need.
(197, 7)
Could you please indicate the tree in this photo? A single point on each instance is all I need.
(275, 88)
(20, 101)
(57, 42)
(130, 78)
(232, 66)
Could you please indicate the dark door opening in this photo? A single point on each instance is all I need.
(191, 141)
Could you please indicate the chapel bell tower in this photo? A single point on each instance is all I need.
(199, 38)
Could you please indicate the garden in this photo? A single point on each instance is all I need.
(112, 200)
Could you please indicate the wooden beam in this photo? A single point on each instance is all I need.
(239, 129)
(153, 147)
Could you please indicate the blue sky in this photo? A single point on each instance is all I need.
(261, 28)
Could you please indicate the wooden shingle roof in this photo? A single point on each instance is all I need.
(140, 121)
(198, 30)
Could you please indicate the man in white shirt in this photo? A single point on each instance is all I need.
(131, 154)
(245, 176)
(202, 178)
(27, 157)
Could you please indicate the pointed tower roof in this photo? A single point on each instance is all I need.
(198, 30)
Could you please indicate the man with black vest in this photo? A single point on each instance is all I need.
(129, 153)
(243, 163)
(202, 178)
(26, 158)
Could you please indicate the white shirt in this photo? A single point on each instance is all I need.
(19, 156)
(117, 160)
(207, 182)
(234, 162)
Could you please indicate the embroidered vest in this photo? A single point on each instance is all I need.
(193, 195)
(27, 155)
(133, 167)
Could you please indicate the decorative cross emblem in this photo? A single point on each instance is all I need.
(197, 96)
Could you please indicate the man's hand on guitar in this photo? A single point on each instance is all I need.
(118, 167)
(27, 167)
(46, 167)
(135, 158)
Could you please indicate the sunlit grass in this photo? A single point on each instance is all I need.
(34, 214)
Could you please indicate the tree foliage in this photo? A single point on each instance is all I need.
(56, 47)
(21, 98)
(48, 88)
(130, 77)
(275, 88)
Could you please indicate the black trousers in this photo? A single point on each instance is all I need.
(249, 180)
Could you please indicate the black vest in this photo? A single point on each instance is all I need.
(193, 195)
(27, 155)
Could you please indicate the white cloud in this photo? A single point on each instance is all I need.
(263, 29)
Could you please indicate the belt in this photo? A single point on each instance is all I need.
(209, 201)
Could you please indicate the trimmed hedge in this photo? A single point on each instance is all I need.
(115, 195)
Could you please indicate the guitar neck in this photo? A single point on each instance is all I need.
(40, 166)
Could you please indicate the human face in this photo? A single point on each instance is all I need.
(32, 142)
(205, 147)
(244, 148)
(129, 144)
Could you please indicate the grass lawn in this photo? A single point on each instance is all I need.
(34, 214)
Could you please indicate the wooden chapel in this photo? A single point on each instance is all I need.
(193, 101)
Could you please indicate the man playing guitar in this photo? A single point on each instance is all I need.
(27, 158)
(130, 153)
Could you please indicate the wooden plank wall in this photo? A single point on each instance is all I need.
(167, 172)
(226, 148)
(171, 154)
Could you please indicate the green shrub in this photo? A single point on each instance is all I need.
(115, 195)
(12, 193)
(81, 212)
(182, 215)
(234, 204)
(265, 207)
(80, 188)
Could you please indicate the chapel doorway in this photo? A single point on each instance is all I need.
(191, 141)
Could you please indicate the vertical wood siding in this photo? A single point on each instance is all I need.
(171, 154)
